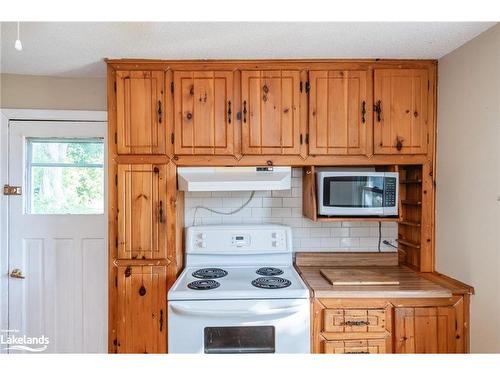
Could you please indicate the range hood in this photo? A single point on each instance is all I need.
(233, 178)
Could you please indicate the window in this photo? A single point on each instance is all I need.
(65, 176)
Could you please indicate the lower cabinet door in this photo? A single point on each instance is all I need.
(142, 307)
(428, 329)
(355, 346)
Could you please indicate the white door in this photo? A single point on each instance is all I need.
(57, 236)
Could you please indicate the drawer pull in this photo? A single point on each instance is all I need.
(356, 323)
(357, 352)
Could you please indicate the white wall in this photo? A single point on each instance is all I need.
(468, 179)
(285, 207)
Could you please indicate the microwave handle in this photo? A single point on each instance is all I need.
(191, 311)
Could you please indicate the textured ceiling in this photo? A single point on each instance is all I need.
(78, 49)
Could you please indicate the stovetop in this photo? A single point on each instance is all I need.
(238, 282)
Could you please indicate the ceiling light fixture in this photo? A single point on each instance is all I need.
(18, 45)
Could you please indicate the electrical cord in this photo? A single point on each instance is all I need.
(224, 213)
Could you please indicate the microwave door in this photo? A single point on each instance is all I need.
(353, 195)
(373, 192)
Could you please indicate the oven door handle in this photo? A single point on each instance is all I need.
(282, 311)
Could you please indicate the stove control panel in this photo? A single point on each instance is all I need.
(233, 238)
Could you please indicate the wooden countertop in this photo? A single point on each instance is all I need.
(412, 284)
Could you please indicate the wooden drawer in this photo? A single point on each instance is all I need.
(354, 320)
(370, 346)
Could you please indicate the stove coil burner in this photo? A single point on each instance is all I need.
(203, 284)
(271, 282)
(209, 273)
(269, 271)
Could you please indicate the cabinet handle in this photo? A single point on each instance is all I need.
(229, 112)
(161, 320)
(159, 111)
(363, 111)
(161, 212)
(356, 323)
(378, 110)
(363, 352)
(244, 111)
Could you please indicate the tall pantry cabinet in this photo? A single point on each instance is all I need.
(142, 198)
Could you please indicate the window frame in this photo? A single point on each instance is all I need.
(30, 164)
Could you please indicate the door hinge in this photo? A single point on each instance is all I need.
(116, 281)
(12, 190)
(172, 87)
(114, 85)
(307, 138)
(116, 241)
(428, 85)
(172, 138)
(300, 86)
(300, 138)
(116, 138)
(116, 179)
(308, 87)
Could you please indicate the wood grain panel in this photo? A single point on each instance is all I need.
(404, 98)
(356, 346)
(142, 309)
(203, 123)
(140, 112)
(271, 125)
(142, 206)
(428, 330)
(336, 122)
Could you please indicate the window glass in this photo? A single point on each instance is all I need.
(65, 176)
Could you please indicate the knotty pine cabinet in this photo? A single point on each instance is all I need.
(374, 326)
(205, 113)
(340, 115)
(426, 330)
(142, 211)
(140, 112)
(142, 308)
(144, 255)
(271, 112)
(401, 116)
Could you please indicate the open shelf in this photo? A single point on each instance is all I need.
(415, 238)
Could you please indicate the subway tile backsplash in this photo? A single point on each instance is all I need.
(285, 207)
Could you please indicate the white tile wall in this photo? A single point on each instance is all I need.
(285, 207)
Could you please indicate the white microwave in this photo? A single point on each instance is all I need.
(357, 192)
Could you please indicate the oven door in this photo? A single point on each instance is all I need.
(356, 194)
(239, 326)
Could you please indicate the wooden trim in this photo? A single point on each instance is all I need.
(300, 64)
(54, 115)
(112, 216)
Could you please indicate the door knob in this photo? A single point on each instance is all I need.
(16, 273)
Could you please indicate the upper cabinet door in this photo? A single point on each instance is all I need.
(142, 208)
(270, 112)
(339, 117)
(140, 112)
(401, 111)
(204, 113)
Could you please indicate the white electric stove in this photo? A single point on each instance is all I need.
(239, 293)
